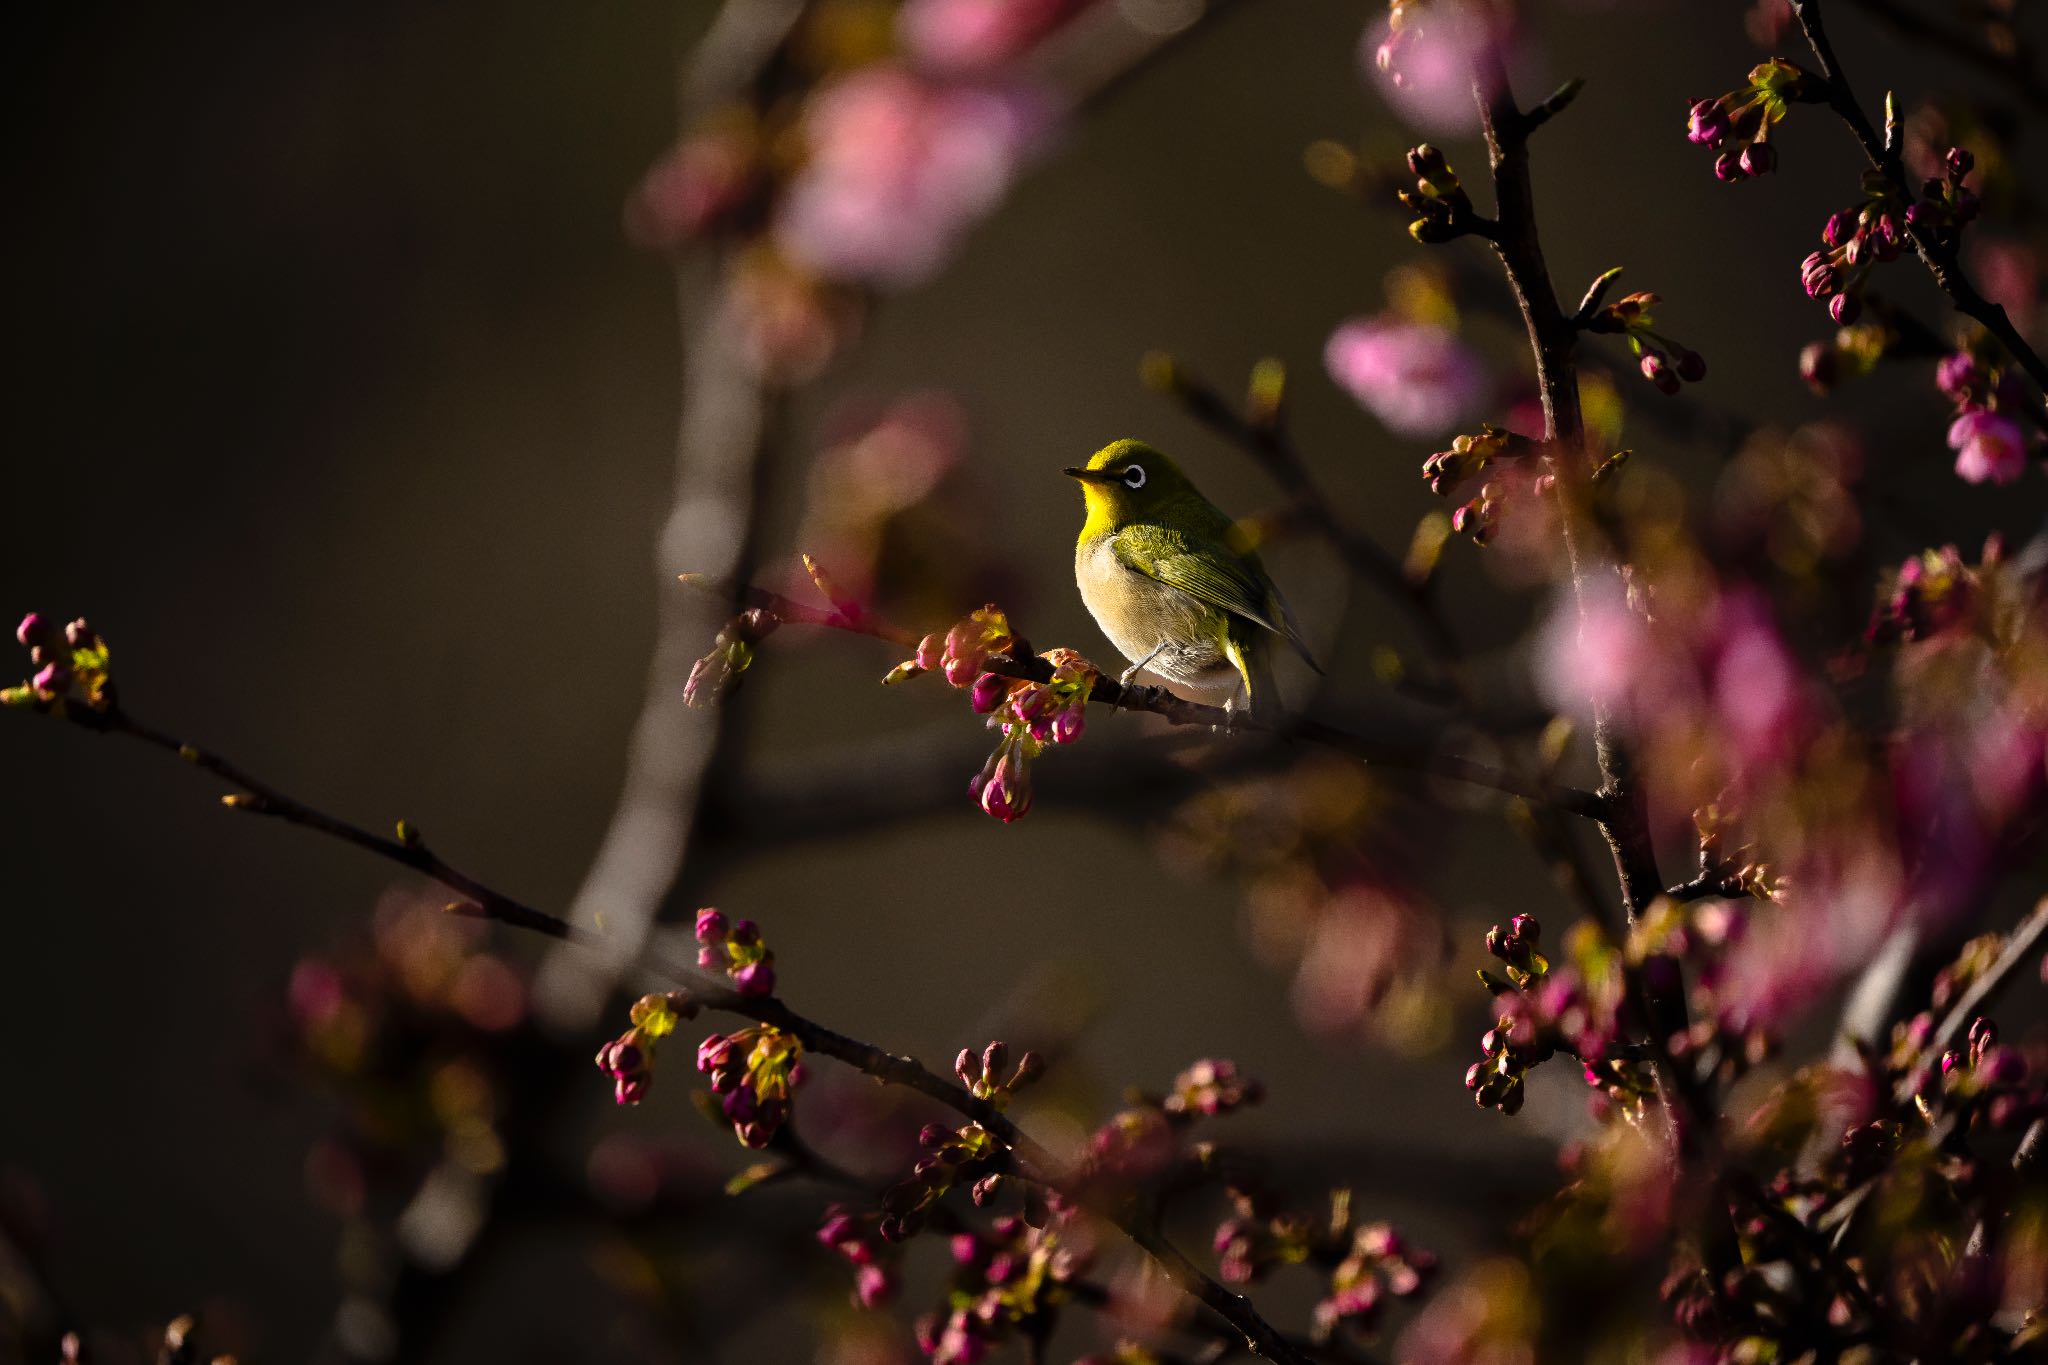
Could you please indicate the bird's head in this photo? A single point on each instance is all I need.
(1126, 480)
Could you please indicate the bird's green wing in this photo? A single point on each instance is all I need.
(1211, 573)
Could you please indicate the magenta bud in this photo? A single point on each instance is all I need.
(756, 978)
(962, 671)
(1959, 162)
(967, 1067)
(1845, 309)
(630, 1089)
(994, 1058)
(711, 957)
(1707, 123)
(746, 933)
(964, 1248)
(52, 679)
(872, 1286)
(1951, 1061)
(1474, 1074)
(1759, 158)
(711, 926)
(840, 1227)
(31, 630)
(1525, 928)
(1067, 726)
(1841, 226)
(989, 690)
(79, 635)
(933, 1136)
(1728, 168)
(929, 650)
(1659, 372)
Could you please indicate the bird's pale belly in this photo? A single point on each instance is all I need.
(1139, 614)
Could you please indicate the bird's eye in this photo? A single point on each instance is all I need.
(1134, 476)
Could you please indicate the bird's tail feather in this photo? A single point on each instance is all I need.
(1257, 685)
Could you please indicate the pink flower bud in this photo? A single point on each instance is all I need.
(989, 690)
(711, 926)
(756, 978)
(31, 630)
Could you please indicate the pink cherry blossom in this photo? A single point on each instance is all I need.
(899, 169)
(1989, 447)
(1418, 378)
(975, 36)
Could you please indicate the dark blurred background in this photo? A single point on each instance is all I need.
(339, 402)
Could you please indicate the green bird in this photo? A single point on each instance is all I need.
(1172, 583)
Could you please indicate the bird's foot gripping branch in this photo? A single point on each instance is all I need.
(1035, 700)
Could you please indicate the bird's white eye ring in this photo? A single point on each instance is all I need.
(1134, 476)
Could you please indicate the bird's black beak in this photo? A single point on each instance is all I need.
(1093, 475)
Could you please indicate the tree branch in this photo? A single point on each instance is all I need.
(408, 850)
(1941, 260)
(1177, 710)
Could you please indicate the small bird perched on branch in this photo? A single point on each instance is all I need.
(1173, 582)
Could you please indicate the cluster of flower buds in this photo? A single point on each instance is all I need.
(968, 1154)
(1013, 1279)
(1469, 456)
(1990, 444)
(1544, 1008)
(1986, 1076)
(1441, 207)
(948, 1158)
(1516, 947)
(738, 950)
(1212, 1088)
(1028, 716)
(1853, 241)
(629, 1058)
(982, 1073)
(1932, 592)
(732, 653)
(1946, 205)
(1663, 361)
(753, 1072)
(961, 652)
(1369, 1261)
(1737, 126)
(860, 1241)
(69, 662)
(1379, 1262)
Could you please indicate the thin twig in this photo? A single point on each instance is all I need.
(1176, 710)
(1940, 259)
(257, 797)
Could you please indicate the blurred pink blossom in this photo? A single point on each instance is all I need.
(1418, 378)
(1595, 653)
(694, 184)
(974, 36)
(1424, 71)
(2009, 274)
(899, 169)
(1989, 447)
(1755, 682)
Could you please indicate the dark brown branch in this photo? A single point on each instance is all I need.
(1552, 340)
(258, 797)
(1939, 258)
(1176, 710)
(2019, 950)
